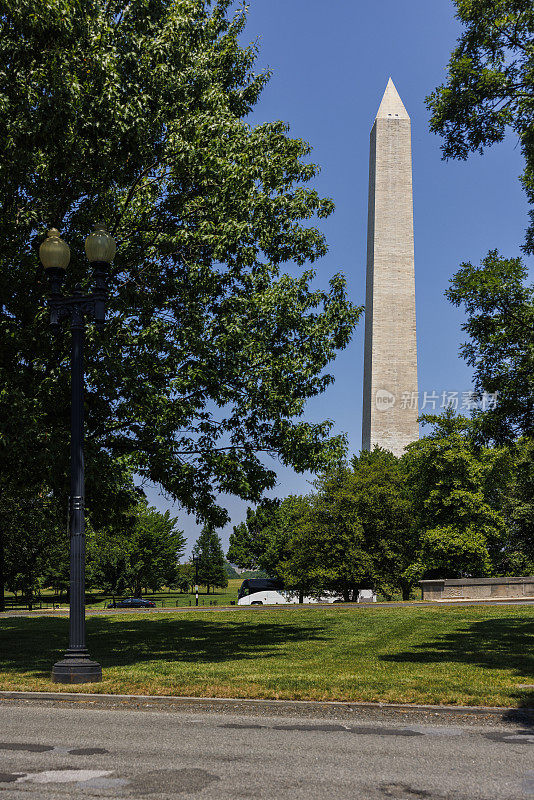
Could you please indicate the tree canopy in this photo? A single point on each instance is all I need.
(261, 541)
(489, 91)
(490, 85)
(325, 550)
(144, 556)
(355, 530)
(500, 323)
(450, 507)
(155, 549)
(384, 504)
(457, 489)
(134, 114)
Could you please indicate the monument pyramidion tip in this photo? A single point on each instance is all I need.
(391, 106)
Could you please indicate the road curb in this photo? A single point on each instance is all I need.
(299, 706)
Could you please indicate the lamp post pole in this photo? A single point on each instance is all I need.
(195, 559)
(76, 666)
(77, 648)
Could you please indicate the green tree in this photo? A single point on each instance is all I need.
(490, 85)
(28, 536)
(260, 542)
(108, 561)
(326, 541)
(185, 579)
(458, 489)
(449, 507)
(500, 322)
(155, 550)
(488, 92)
(354, 531)
(135, 114)
(383, 504)
(56, 563)
(518, 509)
(210, 559)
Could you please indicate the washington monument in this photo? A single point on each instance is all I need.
(390, 366)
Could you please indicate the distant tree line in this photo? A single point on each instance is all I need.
(447, 508)
(459, 502)
(141, 555)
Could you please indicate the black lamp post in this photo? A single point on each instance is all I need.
(76, 666)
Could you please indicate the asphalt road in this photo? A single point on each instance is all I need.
(61, 751)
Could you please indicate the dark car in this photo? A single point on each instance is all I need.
(132, 602)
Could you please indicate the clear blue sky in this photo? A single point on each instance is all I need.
(331, 63)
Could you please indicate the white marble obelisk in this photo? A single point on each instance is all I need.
(390, 367)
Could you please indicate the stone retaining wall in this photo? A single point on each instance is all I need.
(477, 588)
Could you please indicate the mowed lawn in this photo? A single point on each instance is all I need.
(164, 598)
(468, 656)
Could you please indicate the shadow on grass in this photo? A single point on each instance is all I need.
(506, 644)
(32, 645)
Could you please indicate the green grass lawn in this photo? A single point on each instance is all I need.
(468, 656)
(166, 598)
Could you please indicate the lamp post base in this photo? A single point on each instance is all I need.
(76, 667)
